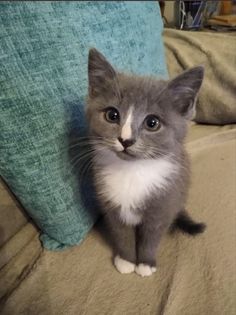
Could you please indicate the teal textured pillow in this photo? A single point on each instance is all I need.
(43, 84)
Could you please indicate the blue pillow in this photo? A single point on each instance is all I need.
(44, 50)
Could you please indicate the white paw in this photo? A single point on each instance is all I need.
(123, 266)
(145, 270)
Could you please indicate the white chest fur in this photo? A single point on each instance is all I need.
(127, 184)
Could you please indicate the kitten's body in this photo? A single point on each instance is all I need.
(131, 185)
(141, 176)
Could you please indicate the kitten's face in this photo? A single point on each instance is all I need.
(135, 117)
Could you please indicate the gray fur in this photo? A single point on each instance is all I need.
(173, 102)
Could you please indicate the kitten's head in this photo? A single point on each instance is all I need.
(137, 117)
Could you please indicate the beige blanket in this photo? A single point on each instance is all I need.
(217, 52)
(195, 276)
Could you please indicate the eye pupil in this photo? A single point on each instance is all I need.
(152, 123)
(112, 115)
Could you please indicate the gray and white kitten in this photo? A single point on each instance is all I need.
(141, 170)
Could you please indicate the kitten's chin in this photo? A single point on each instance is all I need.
(124, 155)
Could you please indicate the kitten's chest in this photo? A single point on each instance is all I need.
(128, 185)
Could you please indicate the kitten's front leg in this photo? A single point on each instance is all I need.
(147, 241)
(123, 242)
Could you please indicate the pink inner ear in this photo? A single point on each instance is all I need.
(190, 113)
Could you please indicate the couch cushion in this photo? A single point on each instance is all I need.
(44, 48)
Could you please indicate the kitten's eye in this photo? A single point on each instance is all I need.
(112, 115)
(152, 123)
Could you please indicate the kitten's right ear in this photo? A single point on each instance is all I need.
(184, 90)
(101, 74)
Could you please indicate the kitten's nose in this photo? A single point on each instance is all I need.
(126, 143)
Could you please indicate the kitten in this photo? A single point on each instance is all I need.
(141, 170)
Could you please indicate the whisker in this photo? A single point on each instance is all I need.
(81, 155)
(152, 152)
(78, 159)
(92, 142)
(84, 156)
(86, 168)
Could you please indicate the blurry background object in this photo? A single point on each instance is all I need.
(226, 7)
(226, 20)
(191, 15)
(162, 6)
(199, 15)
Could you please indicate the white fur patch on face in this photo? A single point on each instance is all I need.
(126, 131)
(127, 184)
(145, 270)
(123, 266)
(118, 146)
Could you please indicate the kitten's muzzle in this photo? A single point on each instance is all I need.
(126, 143)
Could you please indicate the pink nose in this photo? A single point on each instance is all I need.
(126, 143)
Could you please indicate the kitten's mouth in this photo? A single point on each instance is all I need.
(125, 155)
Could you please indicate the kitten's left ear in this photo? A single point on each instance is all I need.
(184, 89)
(101, 74)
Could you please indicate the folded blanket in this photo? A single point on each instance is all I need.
(216, 52)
